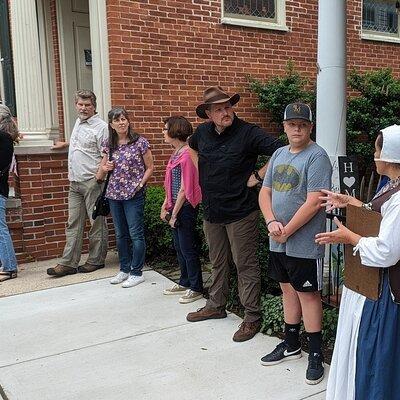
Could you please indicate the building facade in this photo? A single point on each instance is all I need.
(153, 57)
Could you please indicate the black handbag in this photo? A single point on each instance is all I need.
(101, 205)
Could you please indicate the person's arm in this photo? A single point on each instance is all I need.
(180, 200)
(60, 145)
(318, 175)
(149, 165)
(193, 143)
(382, 251)
(257, 176)
(104, 167)
(260, 142)
(274, 227)
(305, 213)
(164, 211)
(194, 155)
(340, 235)
(332, 200)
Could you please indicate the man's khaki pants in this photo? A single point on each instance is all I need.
(235, 243)
(81, 199)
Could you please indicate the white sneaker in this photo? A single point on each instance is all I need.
(119, 278)
(133, 280)
(176, 289)
(190, 296)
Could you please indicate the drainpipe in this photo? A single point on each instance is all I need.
(331, 80)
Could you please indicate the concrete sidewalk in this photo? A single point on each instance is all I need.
(96, 341)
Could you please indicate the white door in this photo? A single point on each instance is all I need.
(75, 54)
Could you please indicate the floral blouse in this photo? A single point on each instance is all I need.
(128, 170)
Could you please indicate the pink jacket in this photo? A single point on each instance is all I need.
(190, 179)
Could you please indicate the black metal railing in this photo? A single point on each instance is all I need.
(333, 271)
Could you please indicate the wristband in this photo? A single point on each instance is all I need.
(257, 176)
(270, 222)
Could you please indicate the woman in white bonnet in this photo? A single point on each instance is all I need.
(8, 136)
(366, 358)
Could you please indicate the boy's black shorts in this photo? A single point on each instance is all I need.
(304, 274)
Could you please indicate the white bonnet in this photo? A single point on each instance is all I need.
(391, 144)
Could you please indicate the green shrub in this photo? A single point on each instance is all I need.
(277, 92)
(273, 320)
(375, 106)
(329, 326)
(158, 233)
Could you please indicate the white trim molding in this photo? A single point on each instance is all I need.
(278, 23)
(380, 38)
(379, 20)
(30, 74)
(100, 55)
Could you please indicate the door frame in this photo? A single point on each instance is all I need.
(100, 60)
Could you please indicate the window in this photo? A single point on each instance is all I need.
(380, 20)
(268, 14)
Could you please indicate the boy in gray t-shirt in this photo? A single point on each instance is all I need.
(289, 201)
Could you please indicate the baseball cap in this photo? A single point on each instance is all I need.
(297, 111)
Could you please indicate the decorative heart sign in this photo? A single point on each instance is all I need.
(349, 181)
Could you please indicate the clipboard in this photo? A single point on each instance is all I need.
(357, 277)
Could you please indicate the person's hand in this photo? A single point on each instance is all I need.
(333, 200)
(252, 181)
(108, 166)
(276, 228)
(340, 235)
(163, 214)
(172, 221)
(60, 145)
(279, 238)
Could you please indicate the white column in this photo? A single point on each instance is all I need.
(331, 80)
(100, 56)
(28, 73)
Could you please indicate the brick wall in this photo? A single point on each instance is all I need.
(54, 31)
(164, 53)
(38, 218)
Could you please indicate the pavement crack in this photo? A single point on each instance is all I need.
(311, 396)
(86, 347)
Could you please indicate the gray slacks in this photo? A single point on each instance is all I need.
(235, 243)
(81, 199)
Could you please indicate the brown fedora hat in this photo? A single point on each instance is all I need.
(214, 95)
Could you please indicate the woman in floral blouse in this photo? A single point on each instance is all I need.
(129, 158)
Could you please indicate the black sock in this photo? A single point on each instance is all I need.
(292, 335)
(315, 341)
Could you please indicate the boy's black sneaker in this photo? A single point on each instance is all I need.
(315, 369)
(282, 352)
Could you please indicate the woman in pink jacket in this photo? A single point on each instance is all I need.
(180, 209)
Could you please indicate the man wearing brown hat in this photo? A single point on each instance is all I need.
(226, 150)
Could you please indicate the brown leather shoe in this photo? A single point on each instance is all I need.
(85, 268)
(247, 331)
(61, 270)
(205, 313)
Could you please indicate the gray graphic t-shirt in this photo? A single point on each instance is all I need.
(291, 176)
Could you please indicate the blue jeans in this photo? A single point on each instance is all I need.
(186, 249)
(7, 253)
(129, 232)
